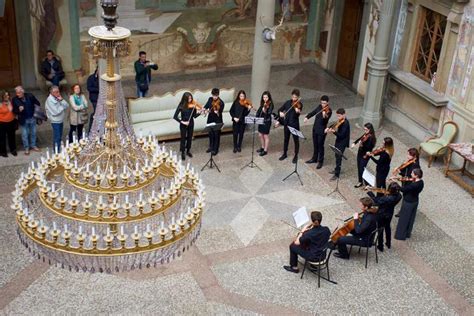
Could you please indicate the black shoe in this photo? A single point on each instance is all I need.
(263, 153)
(183, 156)
(334, 178)
(397, 215)
(208, 150)
(388, 245)
(312, 160)
(214, 153)
(319, 166)
(283, 157)
(235, 150)
(358, 185)
(295, 159)
(332, 172)
(189, 154)
(380, 248)
(291, 269)
(259, 150)
(4, 155)
(239, 149)
(345, 257)
(14, 153)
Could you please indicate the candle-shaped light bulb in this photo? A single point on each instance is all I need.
(53, 188)
(41, 223)
(124, 169)
(181, 216)
(121, 230)
(67, 143)
(73, 195)
(32, 165)
(162, 225)
(189, 210)
(140, 198)
(153, 194)
(162, 191)
(101, 200)
(149, 137)
(146, 162)
(111, 170)
(140, 134)
(80, 229)
(62, 193)
(172, 220)
(135, 229)
(56, 150)
(55, 226)
(75, 164)
(87, 167)
(115, 199)
(97, 169)
(47, 154)
(108, 231)
(87, 198)
(136, 166)
(148, 227)
(93, 231)
(126, 198)
(65, 228)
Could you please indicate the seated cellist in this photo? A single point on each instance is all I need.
(310, 243)
(364, 224)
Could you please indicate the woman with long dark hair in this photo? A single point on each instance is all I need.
(366, 144)
(239, 110)
(383, 163)
(265, 110)
(188, 109)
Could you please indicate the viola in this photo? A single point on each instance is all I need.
(374, 152)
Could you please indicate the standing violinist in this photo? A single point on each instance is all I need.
(383, 163)
(364, 225)
(410, 164)
(310, 243)
(289, 114)
(366, 144)
(238, 111)
(265, 110)
(214, 107)
(411, 192)
(323, 113)
(189, 110)
(386, 204)
(342, 130)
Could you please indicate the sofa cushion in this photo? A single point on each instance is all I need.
(430, 147)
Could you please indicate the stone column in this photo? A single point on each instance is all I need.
(262, 52)
(378, 67)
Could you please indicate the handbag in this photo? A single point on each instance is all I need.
(143, 86)
(39, 115)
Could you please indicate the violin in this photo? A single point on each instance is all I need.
(403, 179)
(363, 138)
(336, 124)
(377, 190)
(246, 103)
(216, 105)
(194, 105)
(404, 165)
(374, 152)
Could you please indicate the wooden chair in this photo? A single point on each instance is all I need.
(438, 145)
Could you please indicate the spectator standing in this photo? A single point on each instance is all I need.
(143, 69)
(7, 126)
(78, 114)
(24, 107)
(55, 110)
(93, 89)
(51, 68)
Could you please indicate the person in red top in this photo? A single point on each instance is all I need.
(7, 126)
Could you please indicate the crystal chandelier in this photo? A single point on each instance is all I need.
(110, 201)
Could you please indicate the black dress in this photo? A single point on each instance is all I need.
(238, 128)
(267, 118)
(382, 169)
(364, 147)
(411, 192)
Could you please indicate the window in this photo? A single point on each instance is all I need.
(429, 42)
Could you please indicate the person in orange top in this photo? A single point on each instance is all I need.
(7, 126)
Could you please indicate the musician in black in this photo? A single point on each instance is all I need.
(214, 108)
(310, 243)
(289, 114)
(187, 110)
(364, 225)
(265, 110)
(238, 111)
(411, 192)
(386, 204)
(366, 144)
(343, 133)
(323, 113)
(404, 170)
(383, 163)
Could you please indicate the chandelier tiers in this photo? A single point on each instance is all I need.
(111, 201)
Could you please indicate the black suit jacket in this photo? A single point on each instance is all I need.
(238, 111)
(383, 163)
(343, 135)
(320, 123)
(291, 118)
(412, 190)
(185, 114)
(315, 241)
(213, 117)
(365, 227)
(386, 203)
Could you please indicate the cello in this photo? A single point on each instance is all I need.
(348, 226)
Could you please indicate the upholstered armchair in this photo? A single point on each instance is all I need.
(438, 145)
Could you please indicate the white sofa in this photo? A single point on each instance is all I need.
(154, 115)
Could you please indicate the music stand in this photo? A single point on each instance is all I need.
(212, 127)
(337, 152)
(255, 121)
(298, 133)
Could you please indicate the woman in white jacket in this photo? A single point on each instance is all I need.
(78, 115)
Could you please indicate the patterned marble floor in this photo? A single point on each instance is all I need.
(236, 266)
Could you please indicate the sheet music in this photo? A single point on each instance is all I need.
(254, 120)
(301, 217)
(296, 132)
(210, 124)
(368, 177)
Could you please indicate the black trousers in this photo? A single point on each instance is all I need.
(214, 140)
(186, 137)
(286, 141)
(384, 221)
(7, 133)
(238, 130)
(318, 147)
(361, 164)
(406, 220)
(349, 240)
(337, 170)
(75, 128)
(380, 180)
